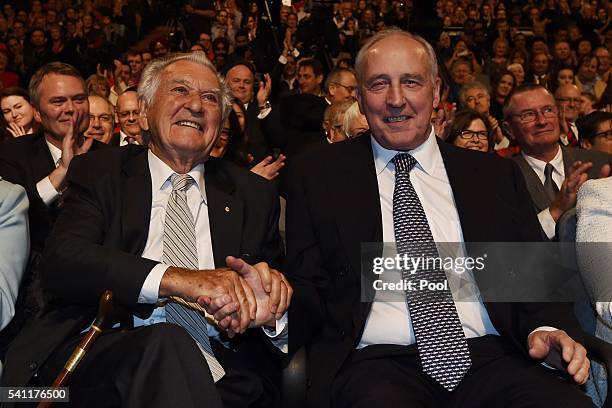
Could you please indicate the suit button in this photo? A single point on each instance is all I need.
(33, 366)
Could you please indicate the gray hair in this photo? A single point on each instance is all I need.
(333, 111)
(151, 78)
(351, 113)
(470, 86)
(57, 68)
(393, 31)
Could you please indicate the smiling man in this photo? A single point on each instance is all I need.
(161, 226)
(406, 186)
(101, 119)
(553, 172)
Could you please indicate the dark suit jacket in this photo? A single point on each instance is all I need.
(98, 238)
(333, 206)
(25, 161)
(570, 155)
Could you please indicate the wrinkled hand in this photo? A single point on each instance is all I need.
(15, 130)
(560, 351)
(269, 169)
(272, 290)
(566, 197)
(221, 292)
(265, 88)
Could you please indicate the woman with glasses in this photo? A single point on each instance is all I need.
(470, 130)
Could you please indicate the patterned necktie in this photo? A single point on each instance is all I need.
(550, 188)
(442, 346)
(180, 250)
(572, 140)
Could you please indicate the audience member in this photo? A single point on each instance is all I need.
(553, 173)
(127, 114)
(333, 120)
(355, 122)
(594, 255)
(568, 104)
(101, 119)
(362, 352)
(340, 86)
(14, 250)
(586, 79)
(596, 132)
(475, 95)
(470, 129)
(310, 76)
(184, 105)
(17, 113)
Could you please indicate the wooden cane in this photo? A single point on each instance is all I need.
(105, 311)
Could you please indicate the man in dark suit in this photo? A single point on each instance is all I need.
(118, 231)
(39, 163)
(241, 80)
(363, 352)
(531, 118)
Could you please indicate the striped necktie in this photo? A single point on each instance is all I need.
(442, 345)
(180, 250)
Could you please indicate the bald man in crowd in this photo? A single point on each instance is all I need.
(101, 119)
(127, 114)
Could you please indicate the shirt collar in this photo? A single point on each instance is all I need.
(161, 172)
(427, 154)
(539, 165)
(56, 153)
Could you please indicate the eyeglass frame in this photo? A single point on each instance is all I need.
(553, 111)
(477, 133)
(349, 89)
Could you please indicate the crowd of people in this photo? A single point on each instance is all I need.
(144, 147)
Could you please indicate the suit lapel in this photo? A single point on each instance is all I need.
(225, 213)
(353, 189)
(534, 185)
(136, 211)
(475, 217)
(42, 161)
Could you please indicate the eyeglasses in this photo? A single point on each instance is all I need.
(606, 134)
(531, 115)
(577, 101)
(349, 89)
(469, 134)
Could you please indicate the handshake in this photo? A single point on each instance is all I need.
(238, 297)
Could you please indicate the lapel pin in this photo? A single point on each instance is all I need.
(227, 209)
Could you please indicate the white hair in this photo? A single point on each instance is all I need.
(351, 114)
(151, 78)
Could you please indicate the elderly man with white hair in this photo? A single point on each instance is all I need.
(170, 231)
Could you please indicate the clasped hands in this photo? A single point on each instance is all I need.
(238, 297)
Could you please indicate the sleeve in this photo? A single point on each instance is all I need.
(15, 246)
(82, 257)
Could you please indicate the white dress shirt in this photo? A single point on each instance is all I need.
(196, 200)
(45, 188)
(389, 322)
(546, 220)
(123, 139)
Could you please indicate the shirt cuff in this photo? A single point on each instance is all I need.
(150, 288)
(46, 191)
(280, 335)
(263, 113)
(547, 222)
(282, 59)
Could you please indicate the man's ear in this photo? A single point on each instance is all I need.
(142, 119)
(36, 114)
(436, 98)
